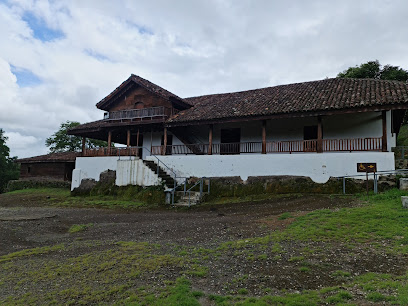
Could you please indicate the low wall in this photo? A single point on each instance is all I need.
(128, 171)
(91, 168)
(318, 166)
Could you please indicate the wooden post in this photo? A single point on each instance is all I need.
(384, 131)
(263, 136)
(83, 145)
(319, 135)
(137, 142)
(128, 139)
(109, 141)
(210, 139)
(164, 142)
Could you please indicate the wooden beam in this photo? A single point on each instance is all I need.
(210, 139)
(137, 137)
(384, 131)
(83, 145)
(319, 135)
(164, 142)
(128, 138)
(263, 136)
(109, 141)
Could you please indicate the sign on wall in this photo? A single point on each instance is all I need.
(367, 167)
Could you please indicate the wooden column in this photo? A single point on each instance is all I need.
(263, 136)
(210, 139)
(319, 135)
(109, 141)
(137, 142)
(164, 142)
(384, 131)
(128, 139)
(83, 145)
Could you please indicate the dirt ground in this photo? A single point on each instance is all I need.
(29, 226)
(25, 225)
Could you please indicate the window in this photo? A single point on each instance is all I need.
(139, 105)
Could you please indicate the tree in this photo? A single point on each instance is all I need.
(373, 70)
(8, 168)
(60, 141)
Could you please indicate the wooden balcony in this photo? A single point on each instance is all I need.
(132, 151)
(159, 112)
(291, 146)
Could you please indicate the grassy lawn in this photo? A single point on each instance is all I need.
(334, 244)
(62, 197)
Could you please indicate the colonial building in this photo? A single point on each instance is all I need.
(317, 129)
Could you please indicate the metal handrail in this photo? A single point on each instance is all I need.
(173, 190)
(374, 174)
(201, 182)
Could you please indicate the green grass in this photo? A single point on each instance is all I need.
(62, 197)
(31, 252)
(63, 192)
(381, 218)
(285, 216)
(250, 198)
(134, 272)
(79, 228)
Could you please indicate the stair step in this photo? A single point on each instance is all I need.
(184, 204)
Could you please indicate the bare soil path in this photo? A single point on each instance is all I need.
(28, 227)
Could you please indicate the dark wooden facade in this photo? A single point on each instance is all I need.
(55, 170)
(139, 98)
(54, 166)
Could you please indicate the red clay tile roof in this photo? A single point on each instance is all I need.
(315, 96)
(144, 83)
(51, 157)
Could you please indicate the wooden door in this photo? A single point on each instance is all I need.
(309, 133)
(230, 141)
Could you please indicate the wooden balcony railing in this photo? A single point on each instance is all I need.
(292, 146)
(131, 151)
(354, 144)
(152, 112)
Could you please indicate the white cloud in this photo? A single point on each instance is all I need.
(188, 47)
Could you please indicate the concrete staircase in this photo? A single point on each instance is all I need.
(166, 178)
(184, 199)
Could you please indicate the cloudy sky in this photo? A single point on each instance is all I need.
(59, 58)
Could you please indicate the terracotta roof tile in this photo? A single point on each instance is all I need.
(51, 157)
(328, 94)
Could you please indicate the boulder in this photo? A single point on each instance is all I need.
(403, 183)
(404, 201)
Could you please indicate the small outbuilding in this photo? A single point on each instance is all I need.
(53, 166)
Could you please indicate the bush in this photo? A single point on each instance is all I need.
(28, 184)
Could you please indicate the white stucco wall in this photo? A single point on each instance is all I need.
(91, 168)
(135, 172)
(319, 167)
(129, 171)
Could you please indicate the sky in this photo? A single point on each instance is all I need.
(59, 58)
